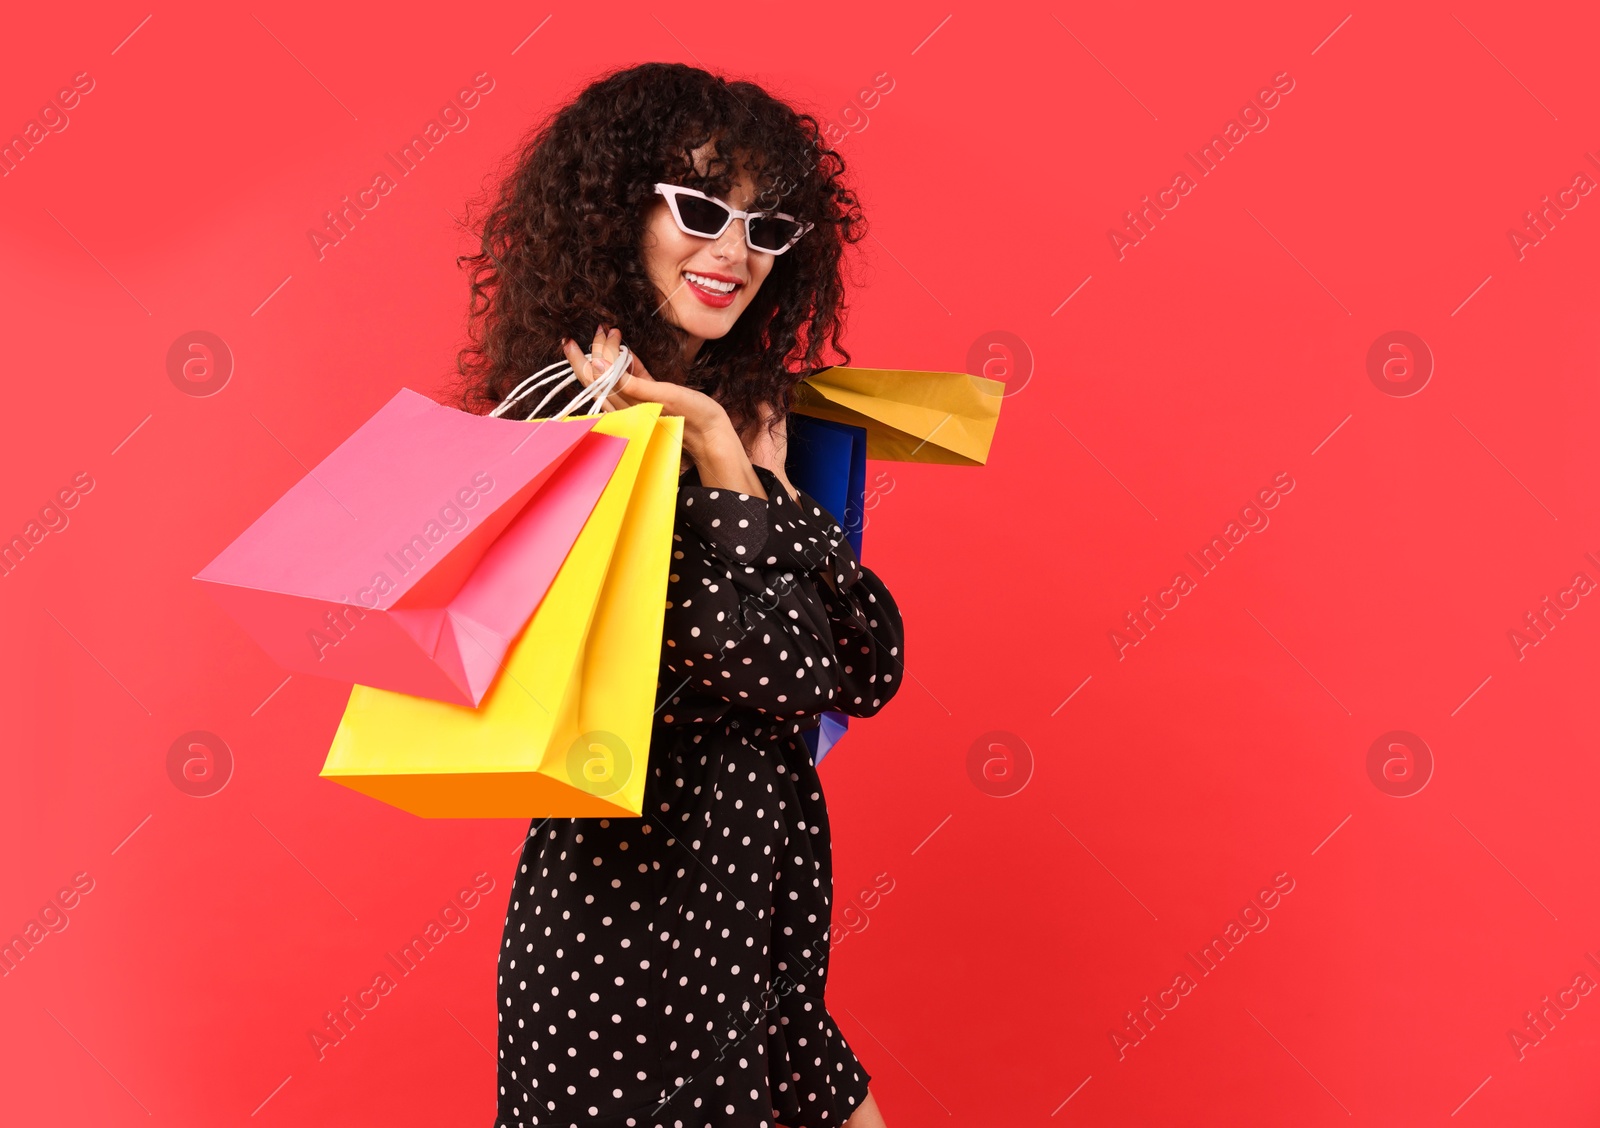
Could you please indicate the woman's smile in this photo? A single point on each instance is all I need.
(716, 290)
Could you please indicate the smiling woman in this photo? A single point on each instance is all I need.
(672, 969)
(565, 242)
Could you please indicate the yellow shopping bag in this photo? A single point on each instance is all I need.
(909, 416)
(564, 730)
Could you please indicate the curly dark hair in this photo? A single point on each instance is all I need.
(561, 244)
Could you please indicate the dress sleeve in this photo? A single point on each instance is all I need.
(768, 607)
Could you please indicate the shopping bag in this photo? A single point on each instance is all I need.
(900, 416)
(909, 416)
(831, 727)
(564, 731)
(415, 551)
(829, 461)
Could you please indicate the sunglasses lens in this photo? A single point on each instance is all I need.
(770, 233)
(703, 217)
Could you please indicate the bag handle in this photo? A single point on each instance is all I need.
(561, 372)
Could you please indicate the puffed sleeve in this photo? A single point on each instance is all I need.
(768, 607)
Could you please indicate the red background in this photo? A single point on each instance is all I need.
(1227, 747)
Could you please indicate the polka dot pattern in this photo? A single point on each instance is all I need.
(669, 971)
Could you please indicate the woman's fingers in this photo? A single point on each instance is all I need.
(610, 350)
(608, 346)
(575, 358)
(605, 349)
(603, 352)
(636, 384)
(585, 368)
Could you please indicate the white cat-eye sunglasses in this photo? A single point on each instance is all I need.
(707, 217)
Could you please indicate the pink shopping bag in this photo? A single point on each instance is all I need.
(413, 555)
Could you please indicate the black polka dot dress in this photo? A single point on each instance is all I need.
(668, 971)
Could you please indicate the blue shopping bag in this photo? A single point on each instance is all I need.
(828, 460)
(829, 730)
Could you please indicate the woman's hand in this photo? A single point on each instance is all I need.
(709, 438)
(703, 417)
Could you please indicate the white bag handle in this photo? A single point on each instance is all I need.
(561, 372)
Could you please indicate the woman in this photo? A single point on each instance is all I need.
(670, 970)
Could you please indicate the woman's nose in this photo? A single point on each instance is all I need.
(731, 247)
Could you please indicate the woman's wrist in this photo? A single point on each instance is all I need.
(703, 432)
(722, 462)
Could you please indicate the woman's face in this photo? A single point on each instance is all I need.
(693, 273)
